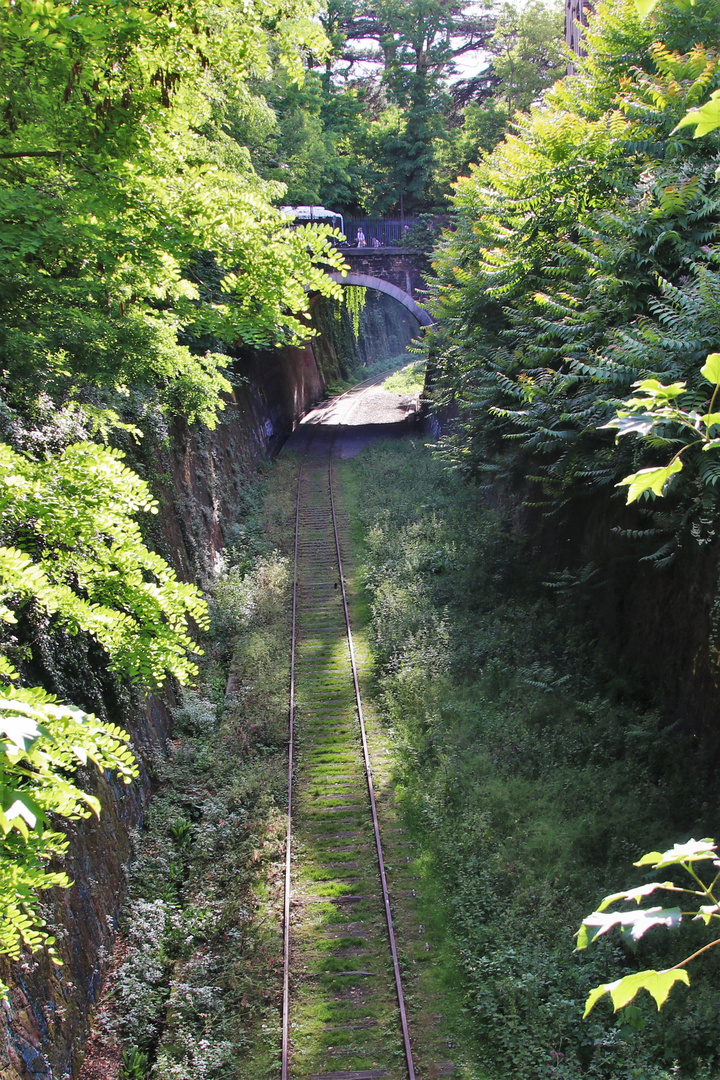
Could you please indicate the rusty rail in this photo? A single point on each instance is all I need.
(371, 792)
(285, 1072)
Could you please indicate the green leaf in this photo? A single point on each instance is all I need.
(706, 118)
(644, 7)
(23, 806)
(638, 893)
(708, 912)
(711, 368)
(655, 389)
(649, 480)
(657, 983)
(22, 731)
(7, 671)
(636, 424)
(692, 851)
(633, 924)
(709, 419)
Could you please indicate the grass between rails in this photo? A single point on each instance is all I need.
(529, 778)
(196, 988)
(342, 1008)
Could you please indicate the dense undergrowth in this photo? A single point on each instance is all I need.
(197, 980)
(585, 259)
(531, 774)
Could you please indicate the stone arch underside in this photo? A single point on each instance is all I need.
(398, 294)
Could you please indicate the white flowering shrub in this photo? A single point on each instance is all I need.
(196, 714)
(140, 984)
(192, 1059)
(240, 596)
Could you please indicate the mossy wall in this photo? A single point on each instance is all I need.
(657, 623)
(385, 330)
(336, 348)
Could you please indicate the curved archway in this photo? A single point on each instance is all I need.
(368, 282)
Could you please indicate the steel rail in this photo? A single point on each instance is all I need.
(368, 772)
(291, 764)
(371, 792)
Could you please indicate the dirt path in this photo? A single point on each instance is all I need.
(356, 419)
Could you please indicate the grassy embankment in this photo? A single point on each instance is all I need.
(409, 379)
(529, 776)
(396, 364)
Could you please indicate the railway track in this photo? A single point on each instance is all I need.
(344, 1015)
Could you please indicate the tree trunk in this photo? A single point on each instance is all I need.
(575, 19)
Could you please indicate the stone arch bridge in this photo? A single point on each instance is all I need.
(398, 272)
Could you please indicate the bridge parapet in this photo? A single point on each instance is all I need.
(386, 231)
(402, 267)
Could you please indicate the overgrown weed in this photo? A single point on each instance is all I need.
(528, 780)
(410, 379)
(197, 995)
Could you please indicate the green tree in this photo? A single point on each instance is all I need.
(386, 99)
(313, 146)
(138, 177)
(393, 117)
(584, 261)
(72, 556)
(526, 56)
(527, 52)
(138, 247)
(420, 44)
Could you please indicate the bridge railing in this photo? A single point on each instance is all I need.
(388, 232)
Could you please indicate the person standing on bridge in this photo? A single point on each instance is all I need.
(360, 238)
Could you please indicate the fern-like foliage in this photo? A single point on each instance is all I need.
(586, 259)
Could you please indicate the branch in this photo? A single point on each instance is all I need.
(473, 42)
(34, 153)
(710, 945)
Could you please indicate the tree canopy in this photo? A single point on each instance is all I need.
(409, 94)
(585, 260)
(139, 248)
(129, 213)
